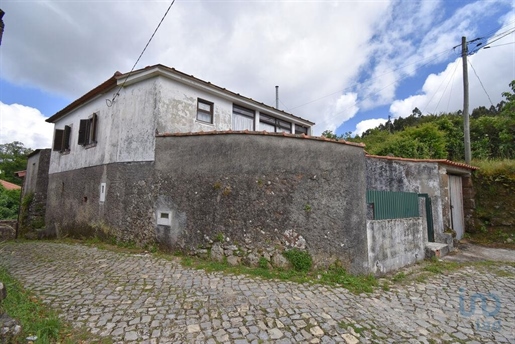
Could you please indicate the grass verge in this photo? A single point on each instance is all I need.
(37, 319)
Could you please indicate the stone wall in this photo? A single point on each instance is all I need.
(395, 243)
(406, 176)
(7, 229)
(263, 191)
(74, 207)
(34, 196)
(258, 193)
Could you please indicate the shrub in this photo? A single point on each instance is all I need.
(300, 260)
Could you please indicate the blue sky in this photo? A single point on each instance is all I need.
(346, 65)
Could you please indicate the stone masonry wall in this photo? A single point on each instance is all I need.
(224, 192)
(263, 191)
(402, 176)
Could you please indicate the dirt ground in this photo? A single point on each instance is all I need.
(467, 252)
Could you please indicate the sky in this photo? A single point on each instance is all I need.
(345, 65)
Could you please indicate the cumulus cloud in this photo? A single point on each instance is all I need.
(309, 49)
(24, 124)
(363, 126)
(343, 108)
(492, 69)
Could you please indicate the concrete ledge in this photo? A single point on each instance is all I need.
(435, 249)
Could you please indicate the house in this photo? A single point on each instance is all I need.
(160, 157)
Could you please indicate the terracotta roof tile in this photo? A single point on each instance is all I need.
(440, 161)
(9, 186)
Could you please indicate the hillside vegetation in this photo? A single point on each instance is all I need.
(440, 136)
(492, 136)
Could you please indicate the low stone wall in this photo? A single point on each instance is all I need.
(395, 243)
(7, 229)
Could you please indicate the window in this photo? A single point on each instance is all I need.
(242, 118)
(300, 129)
(62, 139)
(88, 131)
(204, 111)
(273, 124)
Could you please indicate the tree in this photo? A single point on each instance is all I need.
(13, 157)
(423, 142)
(9, 203)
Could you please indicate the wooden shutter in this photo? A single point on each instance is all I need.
(58, 139)
(66, 138)
(93, 129)
(83, 130)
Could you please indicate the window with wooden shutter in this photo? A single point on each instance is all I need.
(66, 138)
(58, 139)
(88, 131)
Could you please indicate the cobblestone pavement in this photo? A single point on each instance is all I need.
(145, 299)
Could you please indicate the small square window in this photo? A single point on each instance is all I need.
(204, 111)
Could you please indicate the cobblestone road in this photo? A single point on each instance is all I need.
(144, 299)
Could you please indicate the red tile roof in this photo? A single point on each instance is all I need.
(9, 186)
(264, 133)
(440, 161)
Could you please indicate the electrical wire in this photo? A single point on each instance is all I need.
(110, 102)
(483, 86)
(445, 89)
(498, 45)
(438, 89)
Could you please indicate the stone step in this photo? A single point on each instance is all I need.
(436, 249)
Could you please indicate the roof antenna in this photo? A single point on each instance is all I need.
(277, 97)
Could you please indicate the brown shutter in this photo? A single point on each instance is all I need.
(94, 124)
(58, 139)
(66, 138)
(83, 129)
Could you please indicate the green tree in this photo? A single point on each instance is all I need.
(423, 142)
(9, 203)
(13, 157)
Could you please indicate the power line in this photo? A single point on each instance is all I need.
(498, 45)
(109, 102)
(480, 82)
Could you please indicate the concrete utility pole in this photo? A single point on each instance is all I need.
(466, 124)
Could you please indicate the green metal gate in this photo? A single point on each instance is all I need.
(393, 205)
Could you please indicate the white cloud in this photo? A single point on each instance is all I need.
(443, 92)
(363, 126)
(24, 124)
(309, 49)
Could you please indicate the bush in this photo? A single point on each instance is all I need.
(301, 260)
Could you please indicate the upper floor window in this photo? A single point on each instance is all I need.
(62, 139)
(242, 118)
(300, 129)
(273, 124)
(204, 111)
(88, 131)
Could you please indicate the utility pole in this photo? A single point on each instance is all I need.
(466, 124)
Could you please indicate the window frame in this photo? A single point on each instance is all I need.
(88, 131)
(244, 112)
(210, 113)
(300, 132)
(279, 125)
(62, 139)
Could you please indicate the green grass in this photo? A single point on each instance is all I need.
(495, 167)
(37, 318)
(334, 276)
